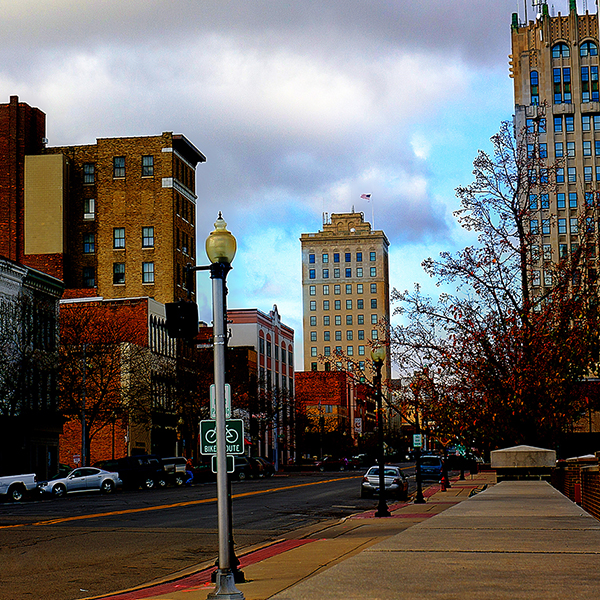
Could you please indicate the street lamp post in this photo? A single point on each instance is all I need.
(220, 248)
(378, 356)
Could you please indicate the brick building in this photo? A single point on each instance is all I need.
(273, 418)
(118, 367)
(114, 219)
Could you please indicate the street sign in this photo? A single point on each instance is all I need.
(230, 463)
(234, 436)
(213, 401)
(417, 440)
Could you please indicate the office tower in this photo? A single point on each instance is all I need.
(345, 294)
(554, 63)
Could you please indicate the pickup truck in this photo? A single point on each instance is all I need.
(16, 486)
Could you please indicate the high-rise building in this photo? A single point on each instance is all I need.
(554, 64)
(345, 294)
(114, 219)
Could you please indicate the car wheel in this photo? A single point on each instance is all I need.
(322, 469)
(59, 490)
(107, 486)
(179, 480)
(241, 475)
(161, 482)
(16, 493)
(148, 483)
(342, 468)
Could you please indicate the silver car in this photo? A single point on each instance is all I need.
(396, 483)
(83, 479)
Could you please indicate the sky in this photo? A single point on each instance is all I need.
(299, 106)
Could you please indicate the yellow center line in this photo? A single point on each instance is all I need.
(130, 511)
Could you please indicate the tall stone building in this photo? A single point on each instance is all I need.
(554, 64)
(345, 294)
(114, 219)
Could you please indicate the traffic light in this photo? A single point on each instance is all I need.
(182, 319)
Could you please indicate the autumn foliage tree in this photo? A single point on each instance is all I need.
(506, 351)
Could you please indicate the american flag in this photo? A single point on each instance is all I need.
(365, 196)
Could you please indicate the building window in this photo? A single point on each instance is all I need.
(359, 288)
(313, 321)
(326, 336)
(325, 258)
(374, 334)
(562, 251)
(88, 243)
(313, 305)
(89, 277)
(348, 319)
(336, 257)
(337, 289)
(560, 200)
(349, 350)
(325, 273)
(359, 271)
(536, 278)
(589, 198)
(587, 148)
(326, 321)
(348, 272)
(118, 273)
(558, 126)
(571, 149)
(325, 290)
(89, 208)
(269, 348)
(261, 345)
(588, 49)
(572, 199)
(374, 320)
(560, 50)
(359, 257)
(325, 304)
(147, 237)
(311, 259)
(544, 150)
(313, 366)
(596, 119)
(312, 274)
(336, 273)
(360, 319)
(560, 175)
(534, 87)
(569, 123)
(572, 174)
(574, 226)
(373, 271)
(545, 201)
(349, 335)
(373, 288)
(361, 334)
(587, 174)
(558, 149)
(147, 166)
(147, 272)
(338, 319)
(338, 336)
(534, 226)
(545, 231)
(348, 256)
(373, 302)
(348, 288)
(327, 351)
(589, 86)
(119, 238)
(338, 304)
(348, 304)
(118, 167)
(313, 351)
(562, 226)
(312, 290)
(338, 350)
(313, 336)
(547, 249)
(89, 173)
(361, 350)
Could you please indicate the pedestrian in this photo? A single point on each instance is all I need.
(189, 472)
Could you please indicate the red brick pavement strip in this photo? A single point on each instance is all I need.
(203, 578)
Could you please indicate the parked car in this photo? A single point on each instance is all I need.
(246, 468)
(175, 469)
(15, 487)
(82, 479)
(431, 466)
(396, 484)
(138, 470)
(267, 468)
(336, 464)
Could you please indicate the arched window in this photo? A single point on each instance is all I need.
(534, 87)
(560, 50)
(588, 49)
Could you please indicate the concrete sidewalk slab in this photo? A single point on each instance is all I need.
(516, 540)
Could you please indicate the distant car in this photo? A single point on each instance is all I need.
(83, 479)
(246, 468)
(267, 468)
(138, 470)
(175, 469)
(336, 464)
(396, 484)
(431, 466)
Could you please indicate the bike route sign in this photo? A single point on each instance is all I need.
(234, 435)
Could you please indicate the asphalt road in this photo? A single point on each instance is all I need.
(87, 545)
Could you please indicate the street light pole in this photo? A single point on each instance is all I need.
(220, 248)
(378, 356)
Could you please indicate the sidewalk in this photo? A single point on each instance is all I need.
(307, 554)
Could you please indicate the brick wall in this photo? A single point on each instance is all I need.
(580, 482)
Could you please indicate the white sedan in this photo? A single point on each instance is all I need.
(83, 479)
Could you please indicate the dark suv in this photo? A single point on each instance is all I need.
(175, 466)
(140, 470)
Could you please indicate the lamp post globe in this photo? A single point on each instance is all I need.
(221, 245)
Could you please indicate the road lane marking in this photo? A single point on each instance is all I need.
(130, 511)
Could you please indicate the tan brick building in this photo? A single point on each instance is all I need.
(114, 219)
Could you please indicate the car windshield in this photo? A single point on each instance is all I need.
(430, 461)
(386, 472)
